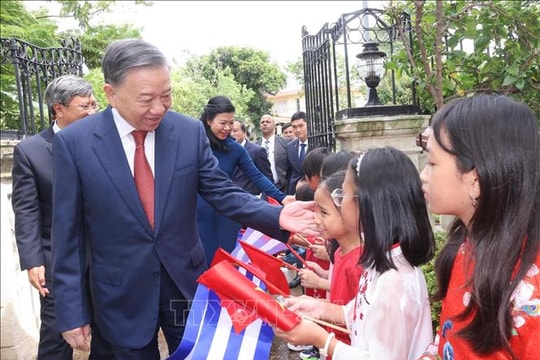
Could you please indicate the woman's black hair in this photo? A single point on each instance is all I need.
(392, 209)
(498, 138)
(216, 105)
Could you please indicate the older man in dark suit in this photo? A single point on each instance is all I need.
(69, 98)
(258, 156)
(127, 195)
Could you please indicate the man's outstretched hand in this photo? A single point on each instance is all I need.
(299, 217)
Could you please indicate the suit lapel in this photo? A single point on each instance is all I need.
(165, 164)
(110, 152)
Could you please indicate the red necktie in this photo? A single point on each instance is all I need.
(144, 180)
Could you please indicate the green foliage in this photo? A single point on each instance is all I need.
(95, 77)
(192, 90)
(249, 67)
(488, 46)
(403, 90)
(34, 28)
(84, 11)
(38, 28)
(431, 279)
(95, 39)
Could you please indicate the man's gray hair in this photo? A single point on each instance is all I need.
(63, 88)
(123, 55)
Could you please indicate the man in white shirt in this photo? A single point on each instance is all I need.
(276, 148)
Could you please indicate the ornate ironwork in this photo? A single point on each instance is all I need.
(34, 67)
(322, 83)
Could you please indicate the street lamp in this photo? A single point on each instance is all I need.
(370, 66)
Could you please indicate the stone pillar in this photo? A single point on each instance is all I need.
(362, 133)
(19, 300)
(399, 131)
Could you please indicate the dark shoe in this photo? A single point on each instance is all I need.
(310, 354)
(294, 282)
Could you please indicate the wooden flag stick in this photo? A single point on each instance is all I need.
(304, 239)
(330, 325)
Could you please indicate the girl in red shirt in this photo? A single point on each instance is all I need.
(484, 168)
(344, 249)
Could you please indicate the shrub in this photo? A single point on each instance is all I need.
(431, 280)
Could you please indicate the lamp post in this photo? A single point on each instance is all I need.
(370, 66)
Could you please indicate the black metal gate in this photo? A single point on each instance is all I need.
(324, 86)
(34, 67)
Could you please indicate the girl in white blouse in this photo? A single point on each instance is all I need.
(390, 316)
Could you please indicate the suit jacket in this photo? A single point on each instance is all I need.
(295, 172)
(32, 200)
(280, 159)
(96, 208)
(260, 159)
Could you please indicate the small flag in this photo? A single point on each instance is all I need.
(259, 240)
(209, 333)
(229, 284)
(269, 264)
(222, 255)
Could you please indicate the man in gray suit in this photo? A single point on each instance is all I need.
(276, 148)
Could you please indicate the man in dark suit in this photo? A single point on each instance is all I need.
(297, 150)
(287, 131)
(258, 156)
(276, 148)
(69, 98)
(127, 194)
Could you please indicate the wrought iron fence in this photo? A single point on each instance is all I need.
(328, 87)
(33, 68)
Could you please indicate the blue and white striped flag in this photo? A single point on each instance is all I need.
(209, 332)
(258, 240)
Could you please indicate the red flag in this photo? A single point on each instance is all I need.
(222, 255)
(269, 264)
(244, 299)
(272, 201)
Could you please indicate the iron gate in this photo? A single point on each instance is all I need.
(34, 67)
(323, 85)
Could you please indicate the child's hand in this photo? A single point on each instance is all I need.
(309, 279)
(304, 305)
(305, 333)
(320, 252)
(315, 267)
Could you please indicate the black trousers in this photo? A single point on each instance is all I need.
(173, 313)
(52, 345)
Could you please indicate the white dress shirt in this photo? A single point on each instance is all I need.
(270, 152)
(128, 142)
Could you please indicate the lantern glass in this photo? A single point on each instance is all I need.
(370, 65)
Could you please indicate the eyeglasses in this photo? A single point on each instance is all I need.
(338, 196)
(86, 107)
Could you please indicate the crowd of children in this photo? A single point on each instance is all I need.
(484, 169)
